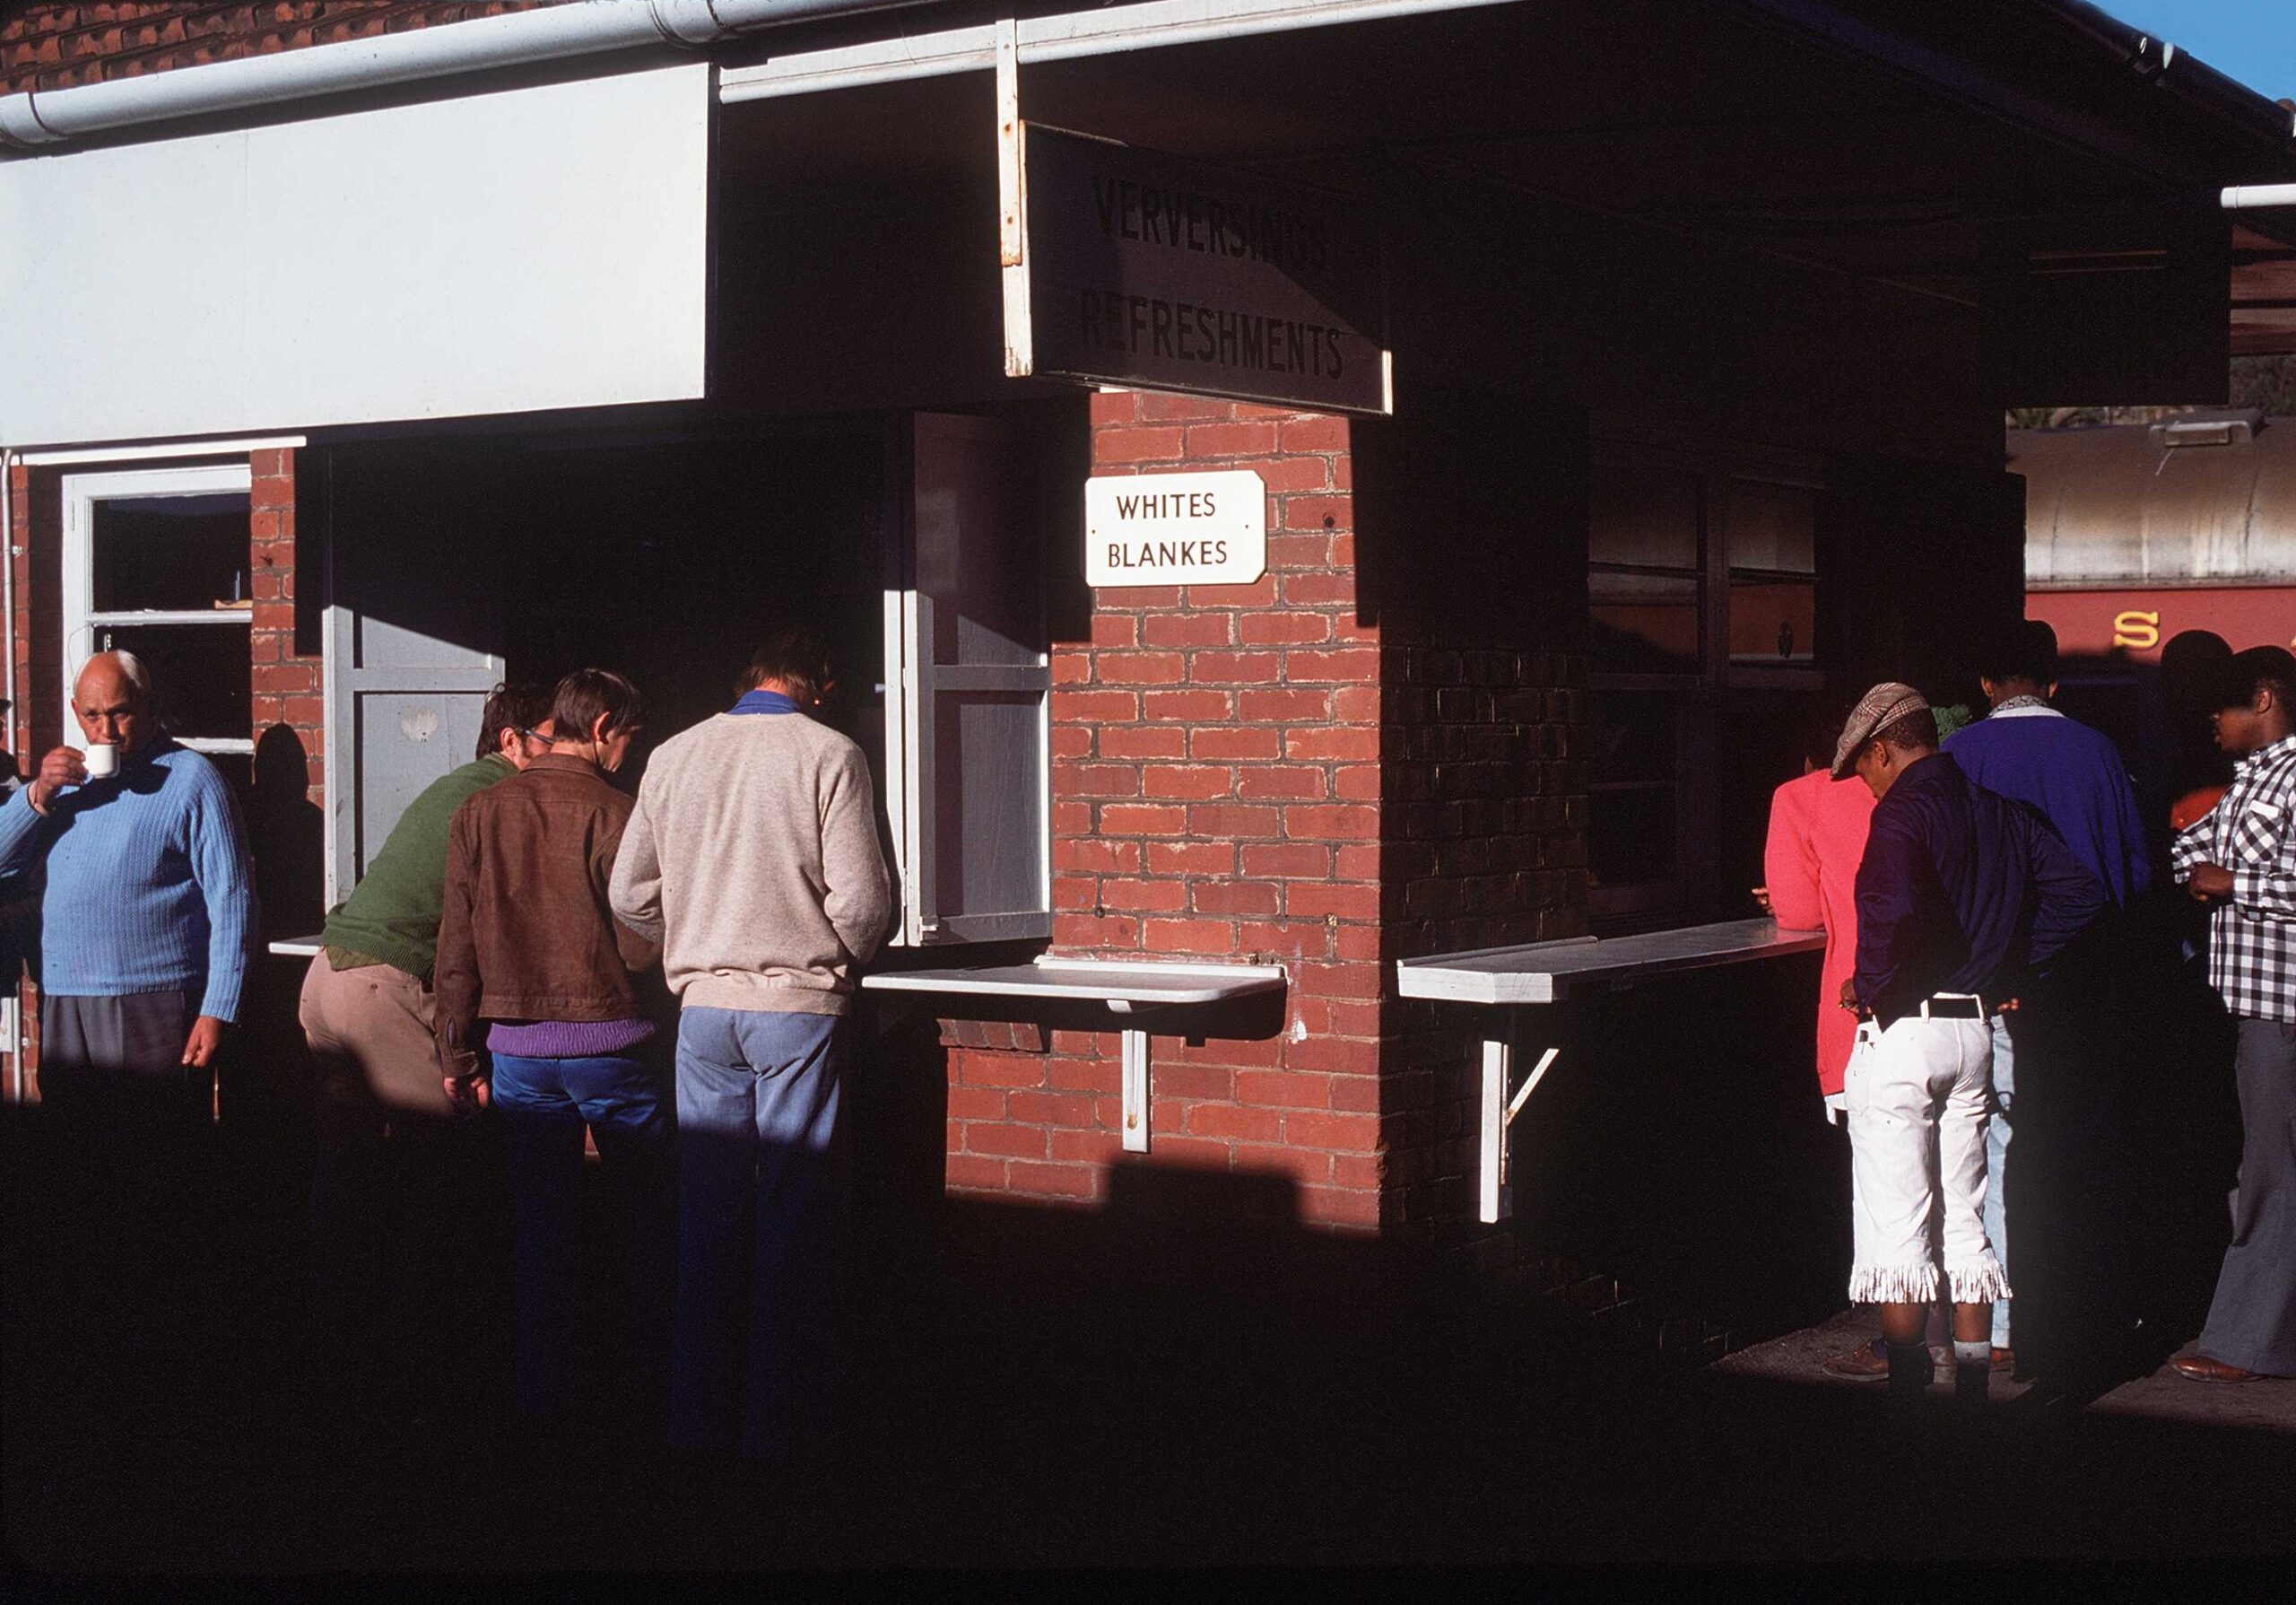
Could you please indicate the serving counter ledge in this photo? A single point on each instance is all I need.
(1547, 972)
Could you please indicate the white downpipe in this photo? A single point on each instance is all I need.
(2242, 198)
(9, 458)
(32, 119)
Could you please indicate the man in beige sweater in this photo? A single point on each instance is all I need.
(752, 858)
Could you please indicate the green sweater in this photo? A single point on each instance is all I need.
(392, 915)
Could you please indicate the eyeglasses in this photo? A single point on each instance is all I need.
(533, 736)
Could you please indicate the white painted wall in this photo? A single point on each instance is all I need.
(494, 253)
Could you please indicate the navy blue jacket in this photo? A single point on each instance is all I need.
(1961, 890)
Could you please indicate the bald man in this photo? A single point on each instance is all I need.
(149, 917)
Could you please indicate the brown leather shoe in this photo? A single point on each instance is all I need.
(1866, 1363)
(1869, 1362)
(2201, 1368)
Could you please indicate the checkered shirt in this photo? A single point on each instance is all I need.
(2252, 832)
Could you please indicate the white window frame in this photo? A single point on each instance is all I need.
(913, 684)
(911, 783)
(82, 621)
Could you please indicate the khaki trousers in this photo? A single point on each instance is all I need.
(400, 1190)
(370, 1031)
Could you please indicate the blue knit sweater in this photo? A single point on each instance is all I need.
(149, 885)
(2074, 776)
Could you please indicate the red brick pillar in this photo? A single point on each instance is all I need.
(1215, 797)
(285, 686)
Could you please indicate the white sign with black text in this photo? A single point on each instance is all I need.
(1175, 528)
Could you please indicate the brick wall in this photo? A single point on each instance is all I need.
(38, 533)
(1357, 758)
(55, 47)
(285, 684)
(34, 519)
(1487, 847)
(1473, 513)
(1215, 797)
(20, 563)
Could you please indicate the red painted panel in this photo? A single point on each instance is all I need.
(2134, 624)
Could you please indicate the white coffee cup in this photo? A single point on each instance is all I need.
(102, 760)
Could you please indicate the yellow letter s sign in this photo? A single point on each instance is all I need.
(2138, 631)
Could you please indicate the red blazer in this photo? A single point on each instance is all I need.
(1817, 835)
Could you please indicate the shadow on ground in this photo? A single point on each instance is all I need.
(1183, 1376)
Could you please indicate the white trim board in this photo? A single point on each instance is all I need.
(1067, 36)
(136, 453)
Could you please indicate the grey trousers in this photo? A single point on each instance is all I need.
(122, 1058)
(132, 1145)
(2252, 1320)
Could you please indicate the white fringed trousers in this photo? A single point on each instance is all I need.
(1918, 1095)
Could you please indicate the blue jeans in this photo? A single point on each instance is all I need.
(1997, 1134)
(761, 1181)
(544, 1105)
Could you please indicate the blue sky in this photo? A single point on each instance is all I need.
(2253, 41)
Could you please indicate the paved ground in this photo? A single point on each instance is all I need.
(2165, 1396)
(2160, 1395)
(1136, 1386)
(1799, 1358)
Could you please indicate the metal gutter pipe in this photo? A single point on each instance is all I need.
(33, 120)
(2241, 197)
(2181, 73)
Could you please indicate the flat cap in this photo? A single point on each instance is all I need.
(1878, 709)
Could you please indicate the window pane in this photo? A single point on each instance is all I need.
(1773, 621)
(1773, 526)
(201, 671)
(1650, 519)
(170, 551)
(979, 554)
(1645, 623)
(988, 768)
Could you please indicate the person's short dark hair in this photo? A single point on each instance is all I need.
(797, 655)
(1822, 730)
(1910, 732)
(2259, 666)
(588, 694)
(2025, 651)
(509, 707)
(2194, 666)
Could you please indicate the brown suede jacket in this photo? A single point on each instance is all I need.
(527, 933)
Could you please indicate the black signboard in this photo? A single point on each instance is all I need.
(1143, 269)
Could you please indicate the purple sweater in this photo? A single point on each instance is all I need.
(566, 1039)
(2074, 775)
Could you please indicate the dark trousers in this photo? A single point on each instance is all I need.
(544, 1105)
(112, 1080)
(406, 1242)
(2252, 1320)
(121, 1060)
(761, 1184)
(132, 1151)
